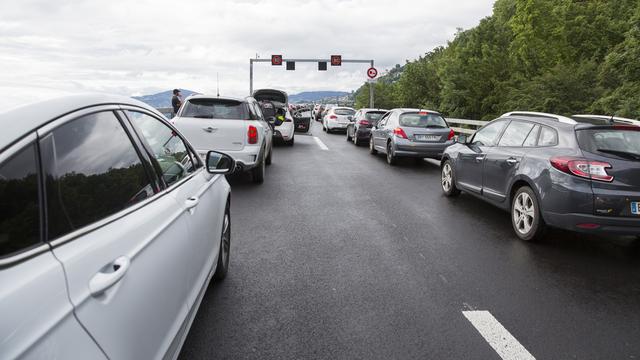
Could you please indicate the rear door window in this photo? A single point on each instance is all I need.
(515, 133)
(374, 116)
(422, 120)
(19, 202)
(611, 142)
(92, 171)
(216, 109)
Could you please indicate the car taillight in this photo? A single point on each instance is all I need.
(333, 117)
(451, 134)
(363, 122)
(252, 134)
(594, 170)
(399, 133)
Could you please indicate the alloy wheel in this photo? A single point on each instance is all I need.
(524, 213)
(447, 178)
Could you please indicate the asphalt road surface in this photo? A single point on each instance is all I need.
(341, 256)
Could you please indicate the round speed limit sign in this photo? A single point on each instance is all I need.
(372, 73)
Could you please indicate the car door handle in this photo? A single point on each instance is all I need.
(512, 161)
(192, 202)
(209, 129)
(109, 275)
(479, 158)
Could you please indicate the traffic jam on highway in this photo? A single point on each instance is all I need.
(115, 220)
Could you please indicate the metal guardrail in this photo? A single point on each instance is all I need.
(474, 124)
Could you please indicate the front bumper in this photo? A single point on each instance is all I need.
(408, 148)
(594, 224)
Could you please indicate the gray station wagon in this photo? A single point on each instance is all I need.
(551, 170)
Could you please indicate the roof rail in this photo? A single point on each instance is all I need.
(560, 118)
(614, 119)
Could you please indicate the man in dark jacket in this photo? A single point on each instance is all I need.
(176, 101)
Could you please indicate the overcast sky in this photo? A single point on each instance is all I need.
(146, 46)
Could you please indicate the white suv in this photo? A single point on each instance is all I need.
(235, 126)
(111, 228)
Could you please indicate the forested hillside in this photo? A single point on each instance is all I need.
(559, 56)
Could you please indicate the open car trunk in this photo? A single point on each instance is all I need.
(272, 95)
(302, 121)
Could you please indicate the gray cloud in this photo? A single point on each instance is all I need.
(150, 45)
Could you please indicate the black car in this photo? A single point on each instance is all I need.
(359, 131)
(551, 170)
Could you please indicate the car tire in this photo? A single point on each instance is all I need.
(372, 149)
(268, 159)
(526, 216)
(225, 245)
(391, 158)
(290, 141)
(258, 172)
(448, 181)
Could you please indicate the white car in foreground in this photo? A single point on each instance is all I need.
(111, 231)
(235, 126)
(337, 118)
(276, 102)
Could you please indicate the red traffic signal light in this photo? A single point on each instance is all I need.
(276, 60)
(336, 60)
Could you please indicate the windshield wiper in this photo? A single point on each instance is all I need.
(623, 154)
(203, 116)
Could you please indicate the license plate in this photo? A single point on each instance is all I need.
(635, 208)
(301, 126)
(428, 137)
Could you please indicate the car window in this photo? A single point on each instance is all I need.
(166, 146)
(515, 133)
(344, 111)
(611, 142)
(19, 204)
(374, 116)
(532, 137)
(215, 109)
(383, 121)
(548, 137)
(422, 120)
(488, 135)
(92, 171)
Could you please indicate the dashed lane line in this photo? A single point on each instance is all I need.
(497, 336)
(320, 143)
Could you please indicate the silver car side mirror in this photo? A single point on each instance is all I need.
(219, 163)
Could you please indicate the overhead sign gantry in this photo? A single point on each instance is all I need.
(334, 60)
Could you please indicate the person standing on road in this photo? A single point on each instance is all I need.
(176, 101)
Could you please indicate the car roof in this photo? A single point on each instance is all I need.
(604, 119)
(212, 97)
(372, 109)
(22, 120)
(540, 115)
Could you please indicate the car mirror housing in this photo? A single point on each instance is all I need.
(219, 163)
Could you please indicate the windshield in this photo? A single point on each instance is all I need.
(374, 115)
(611, 142)
(215, 109)
(344, 111)
(422, 120)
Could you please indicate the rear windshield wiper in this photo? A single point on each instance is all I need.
(623, 154)
(203, 116)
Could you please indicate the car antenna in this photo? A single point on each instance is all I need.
(218, 83)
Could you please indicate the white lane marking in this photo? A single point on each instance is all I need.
(497, 336)
(320, 143)
(444, 279)
(422, 256)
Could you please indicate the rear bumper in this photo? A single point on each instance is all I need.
(283, 134)
(407, 148)
(334, 125)
(363, 133)
(245, 159)
(605, 224)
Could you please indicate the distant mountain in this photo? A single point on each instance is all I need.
(314, 96)
(162, 99)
